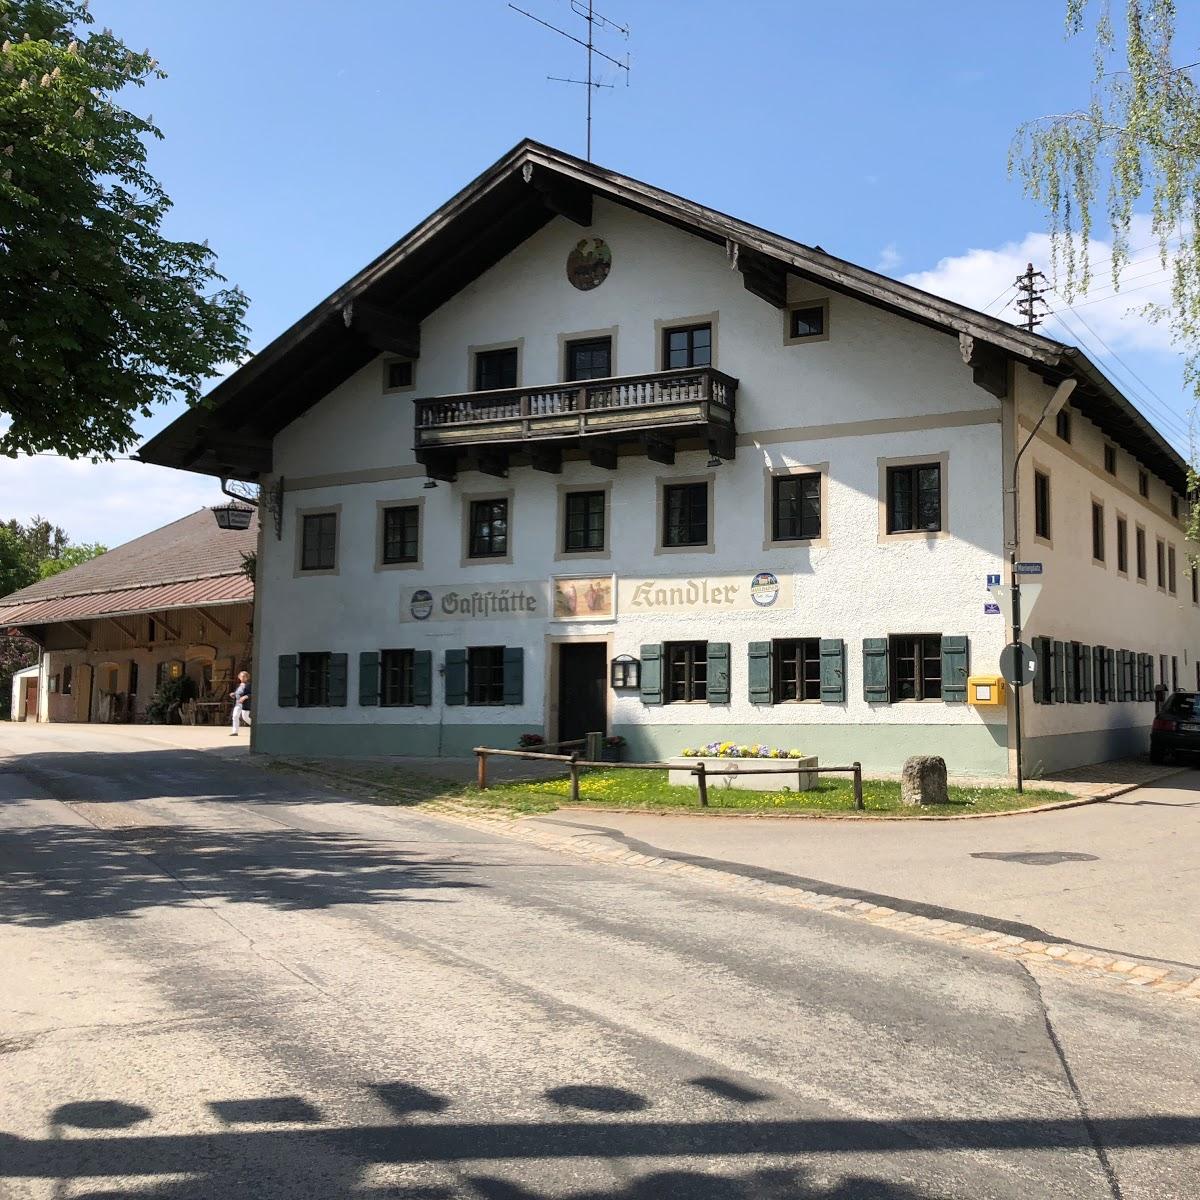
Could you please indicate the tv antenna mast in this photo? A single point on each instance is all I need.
(595, 21)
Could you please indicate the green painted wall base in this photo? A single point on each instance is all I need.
(1060, 751)
(362, 741)
(975, 749)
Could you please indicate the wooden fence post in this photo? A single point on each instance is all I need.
(858, 795)
(701, 783)
(574, 769)
(481, 770)
(594, 747)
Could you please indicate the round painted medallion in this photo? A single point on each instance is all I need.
(588, 263)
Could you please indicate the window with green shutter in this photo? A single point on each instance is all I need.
(396, 678)
(368, 678)
(287, 681)
(718, 672)
(455, 679)
(1099, 681)
(1060, 673)
(1085, 674)
(1071, 664)
(877, 687)
(758, 673)
(514, 675)
(652, 673)
(955, 668)
(795, 669)
(338, 679)
(1043, 676)
(422, 686)
(833, 671)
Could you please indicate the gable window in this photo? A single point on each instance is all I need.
(685, 514)
(1122, 546)
(687, 672)
(401, 534)
(916, 666)
(1063, 424)
(313, 680)
(1041, 505)
(1097, 532)
(396, 678)
(485, 675)
(589, 359)
(808, 322)
(318, 551)
(1110, 459)
(583, 522)
(795, 507)
(398, 375)
(914, 498)
(687, 346)
(1139, 542)
(489, 529)
(795, 669)
(1143, 484)
(1174, 506)
(495, 369)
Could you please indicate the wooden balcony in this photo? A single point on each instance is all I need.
(595, 416)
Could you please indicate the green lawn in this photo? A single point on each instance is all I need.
(649, 789)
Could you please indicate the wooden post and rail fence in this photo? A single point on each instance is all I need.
(701, 770)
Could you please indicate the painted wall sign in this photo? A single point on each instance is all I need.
(583, 597)
(751, 592)
(488, 602)
(589, 263)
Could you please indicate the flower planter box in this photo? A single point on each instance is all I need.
(782, 773)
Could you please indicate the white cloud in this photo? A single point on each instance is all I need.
(105, 502)
(889, 259)
(978, 277)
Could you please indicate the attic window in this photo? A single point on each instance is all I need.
(808, 322)
(398, 374)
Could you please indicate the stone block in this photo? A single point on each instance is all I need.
(923, 780)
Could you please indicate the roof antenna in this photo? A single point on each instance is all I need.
(594, 22)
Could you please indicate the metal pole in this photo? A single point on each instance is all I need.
(1016, 637)
(590, 19)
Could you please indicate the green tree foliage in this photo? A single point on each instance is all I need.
(71, 556)
(101, 316)
(16, 570)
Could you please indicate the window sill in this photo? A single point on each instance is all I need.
(405, 565)
(691, 548)
(307, 572)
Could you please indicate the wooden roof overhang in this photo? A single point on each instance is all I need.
(381, 308)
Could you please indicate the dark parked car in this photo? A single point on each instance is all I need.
(1176, 729)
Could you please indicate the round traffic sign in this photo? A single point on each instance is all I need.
(1018, 664)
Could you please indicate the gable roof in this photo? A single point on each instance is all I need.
(382, 306)
(190, 561)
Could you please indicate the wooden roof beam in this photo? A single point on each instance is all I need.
(382, 329)
(988, 363)
(763, 277)
(560, 195)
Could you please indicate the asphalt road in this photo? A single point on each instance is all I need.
(218, 982)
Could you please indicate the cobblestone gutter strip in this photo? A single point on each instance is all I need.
(1141, 974)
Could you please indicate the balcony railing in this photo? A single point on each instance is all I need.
(667, 403)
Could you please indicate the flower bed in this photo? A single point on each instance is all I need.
(781, 768)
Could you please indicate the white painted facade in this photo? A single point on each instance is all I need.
(880, 387)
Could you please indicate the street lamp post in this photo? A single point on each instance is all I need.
(1053, 406)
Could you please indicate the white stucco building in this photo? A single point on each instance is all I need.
(572, 420)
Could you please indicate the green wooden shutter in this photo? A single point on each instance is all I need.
(833, 671)
(955, 660)
(1098, 689)
(456, 677)
(338, 669)
(652, 673)
(1124, 687)
(514, 675)
(1042, 680)
(718, 672)
(1111, 657)
(1085, 674)
(288, 680)
(422, 688)
(1060, 673)
(877, 687)
(1071, 649)
(1145, 676)
(758, 671)
(368, 677)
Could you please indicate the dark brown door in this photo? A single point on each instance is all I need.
(582, 689)
(31, 700)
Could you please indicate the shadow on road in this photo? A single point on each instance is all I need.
(94, 1140)
(59, 874)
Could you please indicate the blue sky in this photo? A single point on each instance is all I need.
(302, 138)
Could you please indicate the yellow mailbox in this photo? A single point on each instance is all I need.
(985, 691)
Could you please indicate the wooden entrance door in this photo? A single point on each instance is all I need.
(83, 692)
(582, 689)
(31, 699)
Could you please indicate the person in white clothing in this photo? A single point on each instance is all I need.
(241, 702)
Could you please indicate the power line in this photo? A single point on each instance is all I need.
(1030, 302)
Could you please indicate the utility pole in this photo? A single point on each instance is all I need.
(1030, 302)
(594, 21)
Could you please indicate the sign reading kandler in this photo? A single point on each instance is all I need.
(749, 592)
(493, 602)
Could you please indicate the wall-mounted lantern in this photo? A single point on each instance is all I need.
(233, 516)
(625, 672)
